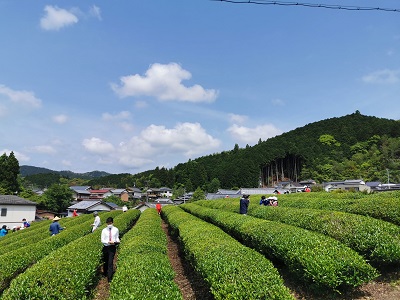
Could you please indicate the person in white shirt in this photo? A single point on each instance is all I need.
(110, 240)
(96, 222)
(124, 208)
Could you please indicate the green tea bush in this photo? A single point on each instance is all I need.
(143, 268)
(232, 270)
(70, 271)
(310, 256)
(376, 240)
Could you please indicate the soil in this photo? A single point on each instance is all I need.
(386, 287)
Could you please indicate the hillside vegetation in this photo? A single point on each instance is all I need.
(349, 147)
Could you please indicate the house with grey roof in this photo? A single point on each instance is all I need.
(13, 209)
(89, 206)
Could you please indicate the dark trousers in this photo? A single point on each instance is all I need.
(108, 261)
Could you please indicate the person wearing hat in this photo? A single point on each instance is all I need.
(55, 227)
(96, 222)
(110, 240)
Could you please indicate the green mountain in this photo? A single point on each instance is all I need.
(349, 147)
(31, 170)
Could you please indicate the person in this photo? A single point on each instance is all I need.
(3, 230)
(124, 208)
(307, 189)
(264, 201)
(55, 227)
(96, 222)
(26, 224)
(244, 204)
(110, 240)
(158, 207)
(274, 201)
(74, 213)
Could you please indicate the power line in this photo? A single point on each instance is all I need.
(314, 5)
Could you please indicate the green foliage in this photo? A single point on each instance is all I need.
(57, 198)
(9, 170)
(313, 257)
(143, 256)
(198, 195)
(231, 270)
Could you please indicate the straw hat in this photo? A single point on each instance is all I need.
(56, 218)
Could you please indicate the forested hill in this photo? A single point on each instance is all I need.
(348, 147)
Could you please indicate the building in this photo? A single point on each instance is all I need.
(13, 209)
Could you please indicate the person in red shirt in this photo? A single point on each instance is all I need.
(158, 207)
(74, 214)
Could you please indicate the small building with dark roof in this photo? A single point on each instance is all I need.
(13, 209)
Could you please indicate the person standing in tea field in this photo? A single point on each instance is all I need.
(110, 240)
(244, 204)
(96, 222)
(55, 227)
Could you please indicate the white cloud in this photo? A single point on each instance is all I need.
(97, 146)
(20, 97)
(18, 155)
(141, 104)
(60, 119)
(95, 12)
(186, 139)
(126, 126)
(385, 76)
(277, 102)
(56, 18)
(44, 149)
(123, 115)
(252, 135)
(234, 118)
(165, 83)
(66, 163)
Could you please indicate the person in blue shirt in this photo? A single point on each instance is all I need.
(55, 227)
(3, 230)
(244, 204)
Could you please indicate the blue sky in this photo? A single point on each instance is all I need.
(127, 86)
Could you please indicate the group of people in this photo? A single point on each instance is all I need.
(270, 201)
(4, 229)
(245, 202)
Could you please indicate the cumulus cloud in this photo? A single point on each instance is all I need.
(18, 155)
(252, 135)
(385, 76)
(163, 81)
(56, 18)
(20, 97)
(97, 146)
(234, 118)
(60, 119)
(188, 139)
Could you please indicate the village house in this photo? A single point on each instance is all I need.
(13, 209)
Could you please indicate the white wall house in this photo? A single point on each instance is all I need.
(13, 209)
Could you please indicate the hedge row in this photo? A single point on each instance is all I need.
(39, 233)
(232, 270)
(383, 205)
(376, 240)
(16, 262)
(310, 256)
(71, 271)
(143, 269)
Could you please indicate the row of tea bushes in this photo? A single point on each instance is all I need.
(310, 256)
(383, 205)
(231, 270)
(376, 240)
(40, 232)
(143, 269)
(71, 271)
(16, 262)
